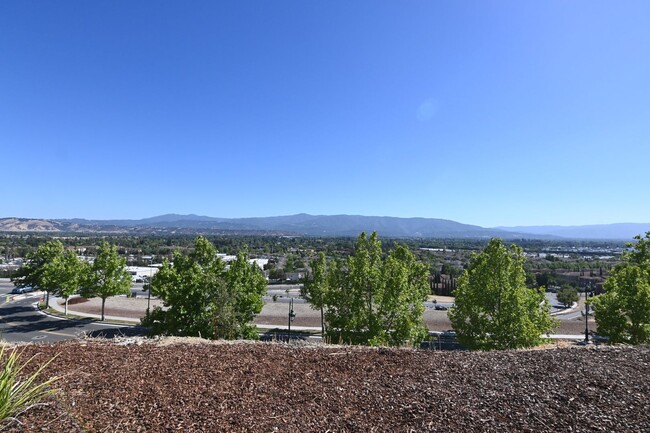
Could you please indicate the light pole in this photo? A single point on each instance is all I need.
(292, 316)
(587, 287)
(149, 290)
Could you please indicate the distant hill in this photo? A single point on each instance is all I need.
(618, 231)
(313, 225)
(300, 224)
(28, 225)
(320, 225)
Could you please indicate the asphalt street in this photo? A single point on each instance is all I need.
(138, 291)
(21, 322)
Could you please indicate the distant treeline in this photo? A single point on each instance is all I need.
(446, 256)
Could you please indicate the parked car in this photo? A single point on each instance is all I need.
(21, 290)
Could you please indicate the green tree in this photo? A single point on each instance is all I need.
(448, 269)
(203, 298)
(531, 280)
(567, 296)
(187, 288)
(40, 263)
(290, 264)
(547, 279)
(244, 295)
(315, 287)
(623, 311)
(276, 274)
(640, 253)
(107, 276)
(371, 300)
(66, 275)
(493, 308)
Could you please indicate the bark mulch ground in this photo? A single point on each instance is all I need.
(266, 387)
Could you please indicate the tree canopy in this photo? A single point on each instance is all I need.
(39, 269)
(623, 311)
(493, 307)
(315, 287)
(568, 296)
(204, 298)
(374, 300)
(66, 275)
(107, 276)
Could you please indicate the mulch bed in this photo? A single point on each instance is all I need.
(266, 387)
(76, 300)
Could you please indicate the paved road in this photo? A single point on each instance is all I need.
(5, 285)
(284, 300)
(21, 322)
(136, 289)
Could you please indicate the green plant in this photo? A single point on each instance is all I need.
(371, 298)
(204, 297)
(18, 395)
(623, 311)
(568, 296)
(493, 308)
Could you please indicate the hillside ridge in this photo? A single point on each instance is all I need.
(303, 224)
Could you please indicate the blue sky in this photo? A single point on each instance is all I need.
(489, 113)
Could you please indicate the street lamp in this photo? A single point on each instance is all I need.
(292, 316)
(587, 288)
(149, 290)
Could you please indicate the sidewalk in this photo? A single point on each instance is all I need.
(293, 328)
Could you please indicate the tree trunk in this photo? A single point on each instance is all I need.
(66, 305)
(103, 302)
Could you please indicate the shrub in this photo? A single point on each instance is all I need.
(567, 296)
(18, 395)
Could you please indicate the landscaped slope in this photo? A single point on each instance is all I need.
(272, 387)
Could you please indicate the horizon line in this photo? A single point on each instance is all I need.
(331, 215)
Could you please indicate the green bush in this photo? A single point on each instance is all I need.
(567, 296)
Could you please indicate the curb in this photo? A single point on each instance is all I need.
(571, 309)
(81, 318)
(108, 320)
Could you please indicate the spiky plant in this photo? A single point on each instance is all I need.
(17, 394)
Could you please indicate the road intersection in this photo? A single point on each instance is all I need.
(22, 322)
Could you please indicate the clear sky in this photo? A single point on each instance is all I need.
(489, 113)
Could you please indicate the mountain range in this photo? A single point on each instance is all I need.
(597, 231)
(320, 225)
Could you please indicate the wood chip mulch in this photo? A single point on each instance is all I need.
(267, 387)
